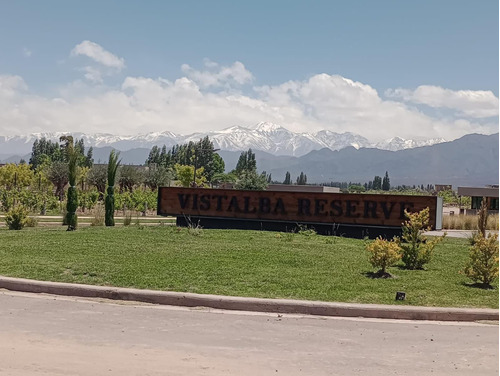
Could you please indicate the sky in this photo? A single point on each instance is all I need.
(422, 69)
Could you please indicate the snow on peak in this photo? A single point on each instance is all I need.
(265, 136)
(265, 126)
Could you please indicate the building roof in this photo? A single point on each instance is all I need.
(478, 191)
(301, 188)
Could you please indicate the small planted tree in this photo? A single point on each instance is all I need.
(482, 266)
(383, 253)
(416, 248)
(482, 218)
(113, 164)
(16, 218)
(72, 203)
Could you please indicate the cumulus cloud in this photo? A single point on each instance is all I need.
(98, 54)
(470, 103)
(218, 76)
(93, 74)
(190, 104)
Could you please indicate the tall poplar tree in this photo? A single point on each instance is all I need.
(113, 164)
(72, 203)
(386, 183)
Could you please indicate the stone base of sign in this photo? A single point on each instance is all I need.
(348, 231)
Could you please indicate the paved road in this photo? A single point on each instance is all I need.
(48, 335)
(455, 233)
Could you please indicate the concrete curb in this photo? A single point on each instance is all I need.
(251, 304)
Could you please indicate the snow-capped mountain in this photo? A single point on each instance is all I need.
(397, 143)
(268, 137)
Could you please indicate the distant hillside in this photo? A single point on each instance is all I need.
(470, 160)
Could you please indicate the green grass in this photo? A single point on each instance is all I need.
(230, 262)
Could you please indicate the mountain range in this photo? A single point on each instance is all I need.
(472, 160)
(268, 137)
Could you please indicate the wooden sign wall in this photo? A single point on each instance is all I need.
(328, 208)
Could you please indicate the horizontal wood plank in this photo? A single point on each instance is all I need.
(330, 208)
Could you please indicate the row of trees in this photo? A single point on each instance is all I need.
(301, 179)
(201, 153)
(62, 171)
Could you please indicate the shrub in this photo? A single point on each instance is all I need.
(493, 222)
(31, 222)
(16, 217)
(306, 231)
(415, 247)
(127, 220)
(482, 266)
(195, 230)
(383, 253)
(469, 222)
(98, 219)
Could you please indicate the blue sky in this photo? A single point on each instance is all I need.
(382, 69)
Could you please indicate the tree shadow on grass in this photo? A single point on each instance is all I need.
(378, 275)
(477, 285)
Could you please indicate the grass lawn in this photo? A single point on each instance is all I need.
(231, 262)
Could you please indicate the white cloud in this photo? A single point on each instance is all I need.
(105, 63)
(98, 54)
(218, 76)
(93, 74)
(186, 105)
(474, 104)
(26, 52)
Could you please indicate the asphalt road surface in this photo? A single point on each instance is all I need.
(48, 335)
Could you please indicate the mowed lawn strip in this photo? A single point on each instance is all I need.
(239, 263)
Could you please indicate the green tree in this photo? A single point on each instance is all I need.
(288, 179)
(224, 178)
(250, 180)
(42, 149)
(302, 179)
(185, 175)
(55, 152)
(158, 176)
(154, 156)
(246, 163)
(383, 253)
(377, 183)
(129, 176)
(58, 175)
(356, 188)
(97, 176)
(113, 165)
(72, 155)
(482, 266)
(89, 159)
(386, 183)
(16, 176)
(218, 166)
(416, 248)
(201, 153)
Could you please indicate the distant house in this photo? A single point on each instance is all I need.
(490, 193)
(442, 187)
